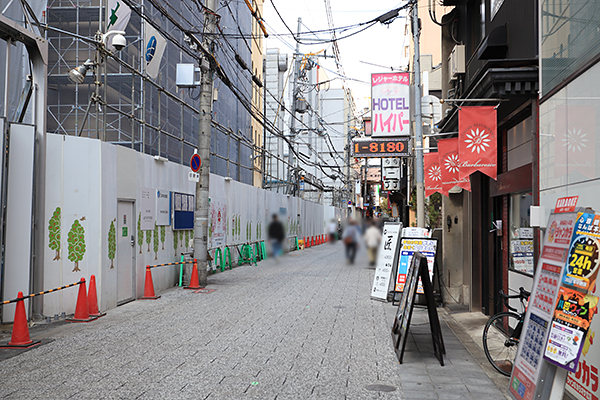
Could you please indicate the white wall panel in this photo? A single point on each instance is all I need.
(85, 179)
(19, 203)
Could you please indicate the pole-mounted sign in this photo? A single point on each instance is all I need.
(195, 162)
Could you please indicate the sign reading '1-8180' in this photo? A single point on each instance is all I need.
(397, 147)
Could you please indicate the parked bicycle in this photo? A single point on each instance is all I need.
(502, 332)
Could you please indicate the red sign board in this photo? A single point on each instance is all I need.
(566, 204)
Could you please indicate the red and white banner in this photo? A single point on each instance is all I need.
(433, 174)
(477, 141)
(390, 111)
(450, 165)
(575, 141)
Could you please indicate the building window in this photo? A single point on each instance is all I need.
(521, 233)
(482, 20)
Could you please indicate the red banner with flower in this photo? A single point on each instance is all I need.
(450, 165)
(477, 141)
(433, 174)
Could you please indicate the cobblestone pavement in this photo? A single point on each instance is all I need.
(302, 327)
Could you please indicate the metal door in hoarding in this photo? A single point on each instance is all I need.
(125, 252)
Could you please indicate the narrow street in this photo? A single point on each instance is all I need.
(302, 327)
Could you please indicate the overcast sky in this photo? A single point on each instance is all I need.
(379, 44)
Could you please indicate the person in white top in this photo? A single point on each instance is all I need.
(372, 238)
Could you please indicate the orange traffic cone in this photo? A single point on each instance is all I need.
(149, 287)
(93, 299)
(194, 282)
(81, 308)
(20, 335)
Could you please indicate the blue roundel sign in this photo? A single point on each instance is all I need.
(195, 163)
(150, 49)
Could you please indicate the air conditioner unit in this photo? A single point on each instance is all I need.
(457, 61)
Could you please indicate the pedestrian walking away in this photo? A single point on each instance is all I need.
(372, 238)
(333, 230)
(276, 235)
(351, 237)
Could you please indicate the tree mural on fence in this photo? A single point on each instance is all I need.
(140, 232)
(76, 241)
(175, 244)
(149, 238)
(155, 241)
(163, 233)
(54, 233)
(181, 238)
(187, 239)
(112, 242)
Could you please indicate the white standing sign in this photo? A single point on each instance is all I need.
(385, 260)
(148, 205)
(163, 215)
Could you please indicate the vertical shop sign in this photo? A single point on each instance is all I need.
(536, 327)
(385, 259)
(390, 111)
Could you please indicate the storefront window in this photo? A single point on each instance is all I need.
(521, 233)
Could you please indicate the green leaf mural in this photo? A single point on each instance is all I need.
(140, 233)
(155, 241)
(149, 238)
(187, 240)
(175, 244)
(163, 234)
(76, 241)
(112, 242)
(54, 233)
(181, 238)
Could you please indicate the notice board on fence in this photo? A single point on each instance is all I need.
(418, 269)
(184, 205)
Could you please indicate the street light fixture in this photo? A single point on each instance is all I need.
(77, 75)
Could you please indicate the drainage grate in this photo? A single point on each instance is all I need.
(381, 388)
(339, 307)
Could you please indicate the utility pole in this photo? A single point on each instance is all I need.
(419, 173)
(348, 193)
(204, 127)
(294, 98)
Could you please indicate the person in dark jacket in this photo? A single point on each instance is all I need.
(276, 235)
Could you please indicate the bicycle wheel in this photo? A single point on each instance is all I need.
(499, 344)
